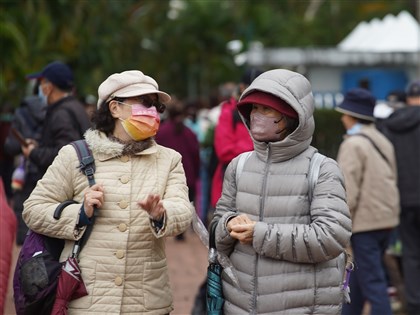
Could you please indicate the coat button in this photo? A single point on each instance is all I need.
(119, 254)
(122, 227)
(118, 281)
(125, 158)
(124, 179)
(123, 204)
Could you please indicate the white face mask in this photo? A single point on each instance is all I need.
(42, 96)
(265, 128)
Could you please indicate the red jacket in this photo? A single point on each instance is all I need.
(231, 138)
(7, 235)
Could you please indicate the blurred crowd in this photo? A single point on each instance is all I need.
(209, 133)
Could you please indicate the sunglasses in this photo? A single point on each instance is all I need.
(146, 102)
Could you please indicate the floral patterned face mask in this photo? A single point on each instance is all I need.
(143, 123)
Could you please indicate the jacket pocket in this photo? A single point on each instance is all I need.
(157, 291)
(88, 268)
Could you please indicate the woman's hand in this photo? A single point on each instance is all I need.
(94, 197)
(153, 206)
(242, 228)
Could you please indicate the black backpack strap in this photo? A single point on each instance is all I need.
(212, 234)
(87, 162)
(87, 166)
(375, 146)
(60, 208)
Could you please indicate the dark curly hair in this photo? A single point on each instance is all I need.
(102, 119)
(291, 124)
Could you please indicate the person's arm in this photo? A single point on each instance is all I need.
(12, 145)
(63, 132)
(226, 210)
(351, 158)
(57, 185)
(324, 238)
(178, 210)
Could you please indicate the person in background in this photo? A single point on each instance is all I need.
(8, 226)
(6, 160)
(230, 136)
(175, 135)
(402, 128)
(209, 118)
(394, 100)
(140, 193)
(288, 248)
(28, 120)
(65, 121)
(367, 160)
(89, 102)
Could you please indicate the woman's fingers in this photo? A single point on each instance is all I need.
(239, 228)
(94, 197)
(153, 205)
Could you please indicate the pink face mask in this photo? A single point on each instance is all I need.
(143, 123)
(264, 128)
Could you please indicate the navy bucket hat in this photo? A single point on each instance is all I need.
(358, 103)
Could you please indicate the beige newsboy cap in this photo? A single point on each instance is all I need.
(128, 84)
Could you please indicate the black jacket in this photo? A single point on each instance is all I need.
(65, 121)
(402, 128)
(28, 120)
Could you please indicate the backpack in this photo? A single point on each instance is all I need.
(314, 167)
(38, 267)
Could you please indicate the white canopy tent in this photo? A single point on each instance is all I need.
(399, 33)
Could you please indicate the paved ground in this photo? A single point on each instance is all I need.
(187, 262)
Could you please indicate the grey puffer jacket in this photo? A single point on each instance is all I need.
(296, 262)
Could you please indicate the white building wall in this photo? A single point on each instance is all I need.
(326, 85)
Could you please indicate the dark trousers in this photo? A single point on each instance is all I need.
(410, 237)
(19, 198)
(368, 281)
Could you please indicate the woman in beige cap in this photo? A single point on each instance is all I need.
(141, 196)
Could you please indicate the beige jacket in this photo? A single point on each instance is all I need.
(123, 263)
(371, 182)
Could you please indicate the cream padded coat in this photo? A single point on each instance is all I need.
(123, 263)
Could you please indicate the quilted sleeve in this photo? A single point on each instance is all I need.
(175, 200)
(57, 185)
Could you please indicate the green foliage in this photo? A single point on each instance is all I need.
(183, 46)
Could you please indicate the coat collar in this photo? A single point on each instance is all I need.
(104, 149)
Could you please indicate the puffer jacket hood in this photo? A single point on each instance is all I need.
(296, 90)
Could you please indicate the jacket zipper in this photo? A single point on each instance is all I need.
(261, 217)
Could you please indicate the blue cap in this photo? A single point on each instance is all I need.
(57, 73)
(413, 88)
(358, 103)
